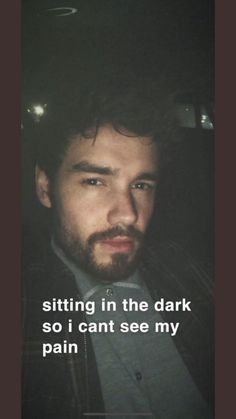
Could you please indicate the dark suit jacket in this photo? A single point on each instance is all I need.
(66, 386)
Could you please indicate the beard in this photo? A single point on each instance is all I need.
(121, 265)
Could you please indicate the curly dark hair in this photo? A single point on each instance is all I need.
(133, 108)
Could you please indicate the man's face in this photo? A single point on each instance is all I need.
(103, 200)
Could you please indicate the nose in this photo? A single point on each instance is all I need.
(123, 210)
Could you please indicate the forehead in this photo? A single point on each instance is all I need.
(113, 149)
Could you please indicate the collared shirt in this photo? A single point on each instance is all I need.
(140, 373)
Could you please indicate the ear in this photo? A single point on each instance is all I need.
(42, 187)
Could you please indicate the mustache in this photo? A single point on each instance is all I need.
(130, 232)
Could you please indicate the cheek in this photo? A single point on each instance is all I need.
(81, 217)
(145, 213)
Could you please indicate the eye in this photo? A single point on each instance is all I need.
(92, 182)
(143, 186)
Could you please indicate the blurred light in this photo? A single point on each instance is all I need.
(205, 120)
(63, 11)
(37, 111)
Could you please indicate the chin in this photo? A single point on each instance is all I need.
(120, 268)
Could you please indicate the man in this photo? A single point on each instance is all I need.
(97, 171)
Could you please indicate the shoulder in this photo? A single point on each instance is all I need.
(173, 270)
(170, 272)
(43, 279)
(46, 276)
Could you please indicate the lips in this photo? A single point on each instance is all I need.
(119, 244)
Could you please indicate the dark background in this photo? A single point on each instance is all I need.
(144, 38)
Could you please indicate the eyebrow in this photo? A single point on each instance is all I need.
(85, 167)
(148, 176)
